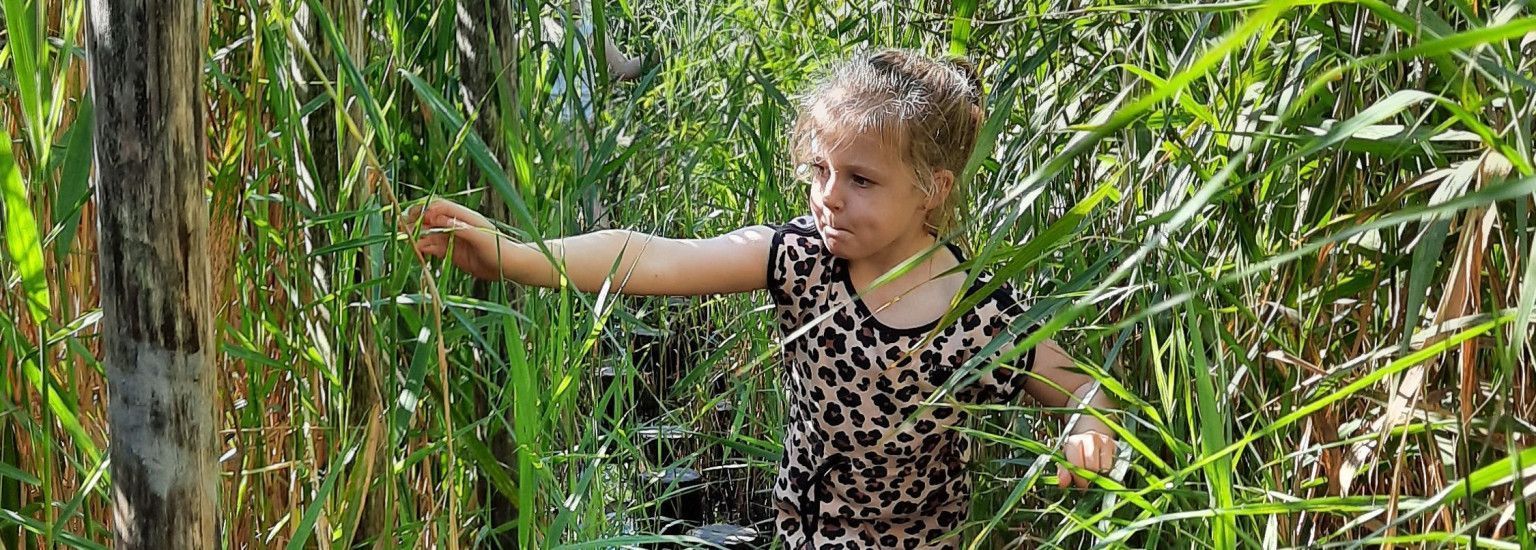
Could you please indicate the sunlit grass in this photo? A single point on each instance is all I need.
(1293, 238)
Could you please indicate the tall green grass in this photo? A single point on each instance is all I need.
(1293, 239)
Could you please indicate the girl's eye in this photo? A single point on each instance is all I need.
(810, 173)
(820, 172)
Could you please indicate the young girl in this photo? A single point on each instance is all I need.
(880, 139)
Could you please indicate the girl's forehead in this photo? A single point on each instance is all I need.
(839, 136)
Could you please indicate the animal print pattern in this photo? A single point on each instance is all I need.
(864, 466)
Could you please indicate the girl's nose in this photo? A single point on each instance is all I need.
(832, 192)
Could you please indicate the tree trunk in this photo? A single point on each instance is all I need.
(487, 71)
(334, 151)
(157, 336)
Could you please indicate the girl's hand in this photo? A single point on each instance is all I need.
(445, 224)
(1092, 451)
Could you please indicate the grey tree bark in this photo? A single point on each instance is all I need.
(157, 331)
(487, 67)
(334, 151)
(487, 70)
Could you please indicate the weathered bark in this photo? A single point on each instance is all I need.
(157, 335)
(334, 150)
(487, 70)
(487, 67)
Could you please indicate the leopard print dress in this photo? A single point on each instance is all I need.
(865, 466)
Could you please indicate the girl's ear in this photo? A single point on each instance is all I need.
(943, 183)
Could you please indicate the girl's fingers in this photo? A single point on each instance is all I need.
(424, 215)
(442, 206)
(452, 222)
(1090, 456)
(441, 213)
(1090, 460)
(450, 209)
(1106, 456)
(1074, 452)
(433, 245)
(408, 218)
(1091, 452)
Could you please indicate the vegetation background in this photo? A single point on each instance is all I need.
(1296, 236)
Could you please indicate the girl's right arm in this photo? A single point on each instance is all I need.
(629, 262)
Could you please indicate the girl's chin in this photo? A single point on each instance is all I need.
(836, 247)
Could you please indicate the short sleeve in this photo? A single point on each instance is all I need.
(1005, 381)
(793, 253)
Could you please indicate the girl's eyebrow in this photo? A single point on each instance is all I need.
(866, 170)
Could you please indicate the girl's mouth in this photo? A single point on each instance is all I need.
(826, 226)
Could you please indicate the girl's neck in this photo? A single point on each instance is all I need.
(915, 298)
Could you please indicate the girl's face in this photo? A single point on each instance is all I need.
(865, 198)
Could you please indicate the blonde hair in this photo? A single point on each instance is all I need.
(931, 107)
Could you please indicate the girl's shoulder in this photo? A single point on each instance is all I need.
(804, 226)
(798, 261)
(797, 240)
(997, 307)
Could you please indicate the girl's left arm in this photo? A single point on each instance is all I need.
(1091, 444)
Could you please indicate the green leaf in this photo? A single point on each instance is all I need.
(1213, 432)
(7, 470)
(478, 152)
(22, 241)
(74, 181)
(306, 526)
(63, 408)
(22, 21)
(960, 27)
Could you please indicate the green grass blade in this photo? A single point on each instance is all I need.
(317, 504)
(74, 182)
(22, 242)
(1213, 431)
(23, 19)
(960, 26)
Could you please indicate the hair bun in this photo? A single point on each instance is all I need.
(972, 76)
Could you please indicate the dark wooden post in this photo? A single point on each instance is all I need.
(334, 149)
(157, 332)
(487, 71)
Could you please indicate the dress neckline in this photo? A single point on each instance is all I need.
(841, 272)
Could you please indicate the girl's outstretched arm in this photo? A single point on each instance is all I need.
(629, 262)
